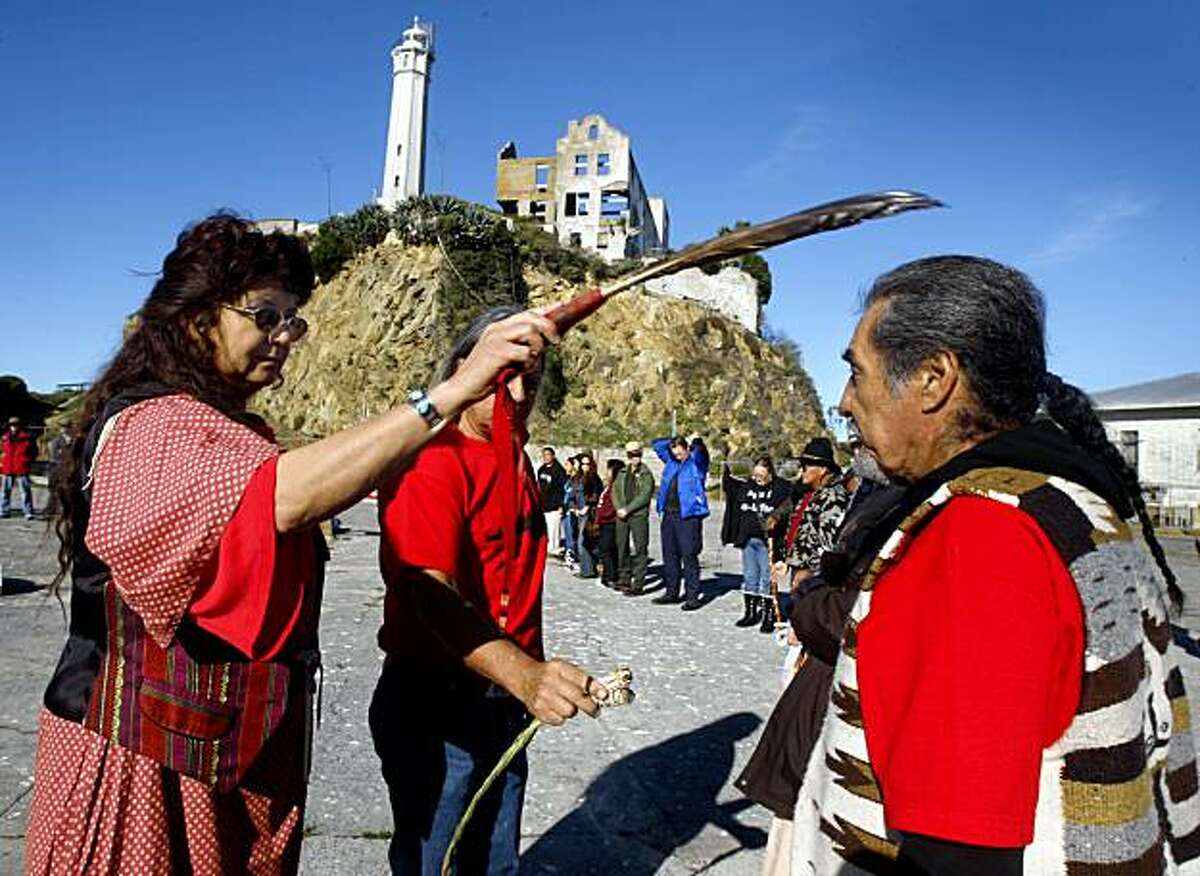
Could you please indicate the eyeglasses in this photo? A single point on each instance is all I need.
(270, 319)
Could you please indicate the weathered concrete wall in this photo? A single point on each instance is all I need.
(516, 185)
(1168, 452)
(593, 161)
(731, 292)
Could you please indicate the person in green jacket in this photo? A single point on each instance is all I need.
(632, 491)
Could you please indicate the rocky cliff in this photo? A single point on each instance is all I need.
(383, 323)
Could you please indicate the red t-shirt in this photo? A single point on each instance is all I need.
(969, 665)
(445, 513)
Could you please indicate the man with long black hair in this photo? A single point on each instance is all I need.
(1007, 697)
(463, 554)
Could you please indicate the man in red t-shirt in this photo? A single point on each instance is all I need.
(462, 632)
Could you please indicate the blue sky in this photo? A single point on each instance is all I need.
(1064, 136)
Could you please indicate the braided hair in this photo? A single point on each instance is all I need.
(1071, 409)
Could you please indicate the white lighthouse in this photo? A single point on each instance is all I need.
(404, 165)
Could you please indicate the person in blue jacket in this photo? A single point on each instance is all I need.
(682, 505)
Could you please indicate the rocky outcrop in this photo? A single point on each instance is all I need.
(382, 325)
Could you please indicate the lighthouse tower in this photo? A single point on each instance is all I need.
(404, 165)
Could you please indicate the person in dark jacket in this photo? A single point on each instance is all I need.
(773, 774)
(18, 450)
(682, 505)
(552, 477)
(749, 505)
(606, 519)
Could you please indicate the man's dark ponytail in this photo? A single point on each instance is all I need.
(1068, 406)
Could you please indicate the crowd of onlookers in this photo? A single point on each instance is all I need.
(599, 522)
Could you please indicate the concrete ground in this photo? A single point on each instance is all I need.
(646, 789)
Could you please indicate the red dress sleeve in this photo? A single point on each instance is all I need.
(969, 666)
(255, 597)
(167, 478)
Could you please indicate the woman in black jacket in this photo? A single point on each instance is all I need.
(748, 504)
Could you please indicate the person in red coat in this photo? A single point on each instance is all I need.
(17, 453)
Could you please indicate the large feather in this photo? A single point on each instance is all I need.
(814, 220)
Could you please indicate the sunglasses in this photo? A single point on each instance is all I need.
(270, 320)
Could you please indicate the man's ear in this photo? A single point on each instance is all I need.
(938, 378)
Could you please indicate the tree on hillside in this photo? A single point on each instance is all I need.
(753, 264)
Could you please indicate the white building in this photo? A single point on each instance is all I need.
(404, 164)
(1156, 426)
(589, 193)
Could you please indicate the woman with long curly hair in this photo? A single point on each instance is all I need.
(175, 734)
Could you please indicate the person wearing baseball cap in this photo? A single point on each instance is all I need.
(632, 491)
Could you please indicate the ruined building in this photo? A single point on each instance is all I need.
(588, 193)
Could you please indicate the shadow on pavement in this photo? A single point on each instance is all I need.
(711, 587)
(719, 584)
(648, 804)
(18, 586)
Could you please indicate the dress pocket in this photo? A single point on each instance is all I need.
(179, 712)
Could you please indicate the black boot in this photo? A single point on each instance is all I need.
(750, 617)
(768, 615)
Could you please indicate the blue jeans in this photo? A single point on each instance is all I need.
(570, 537)
(682, 540)
(587, 560)
(756, 568)
(26, 494)
(434, 760)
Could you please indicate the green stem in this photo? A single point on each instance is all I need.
(513, 750)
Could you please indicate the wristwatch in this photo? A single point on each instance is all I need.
(420, 402)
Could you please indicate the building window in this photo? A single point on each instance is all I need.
(613, 205)
(601, 241)
(593, 132)
(396, 181)
(581, 164)
(399, 146)
(569, 205)
(576, 239)
(602, 164)
(1129, 447)
(582, 200)
(541, 175)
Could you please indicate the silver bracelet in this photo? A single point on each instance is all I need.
(420, 402)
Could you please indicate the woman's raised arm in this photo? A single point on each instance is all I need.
(318, 480)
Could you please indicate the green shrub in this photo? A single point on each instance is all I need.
(553, 390)
(331, 251)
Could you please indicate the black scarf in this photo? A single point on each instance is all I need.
(1040, 446)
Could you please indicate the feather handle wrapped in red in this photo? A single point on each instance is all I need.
(569, 312)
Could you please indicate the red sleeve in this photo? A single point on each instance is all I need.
(423, 514)
(969, 666)
(255, 597)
